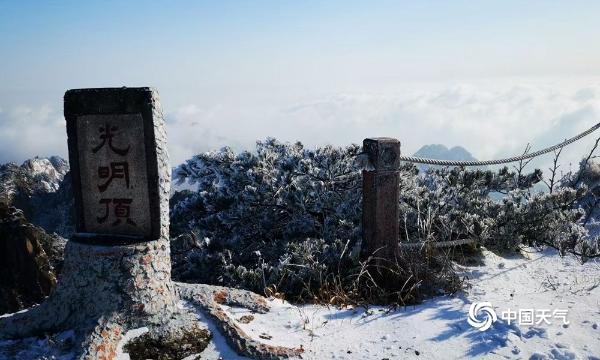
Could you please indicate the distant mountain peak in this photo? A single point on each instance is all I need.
(441, 152)
(51, 170)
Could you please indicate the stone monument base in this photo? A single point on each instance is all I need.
(104, 291)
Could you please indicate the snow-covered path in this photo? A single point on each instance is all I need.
(438, 329)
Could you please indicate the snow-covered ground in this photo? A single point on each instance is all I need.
(438, 328)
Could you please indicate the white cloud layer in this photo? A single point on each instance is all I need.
(489, 119)
(26, 132)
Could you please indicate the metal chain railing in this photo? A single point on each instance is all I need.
(525, 156)
(413, 159)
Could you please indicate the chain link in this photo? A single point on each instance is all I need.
(525, 156)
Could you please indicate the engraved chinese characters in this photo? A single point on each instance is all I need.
(114, 182)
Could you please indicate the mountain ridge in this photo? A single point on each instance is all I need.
(442, 152)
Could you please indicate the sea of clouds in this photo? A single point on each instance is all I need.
(490, 119)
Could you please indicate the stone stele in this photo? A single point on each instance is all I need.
(117, 269)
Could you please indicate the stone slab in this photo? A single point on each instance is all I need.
(119, 164)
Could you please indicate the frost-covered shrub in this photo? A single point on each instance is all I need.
(449, 204)
(281, 216)
(500, 209)
(585, 182)
(287, 219)
(536, 219)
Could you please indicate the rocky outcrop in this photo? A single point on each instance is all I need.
(41, 187)
(35, 176)
(27, 275)
(184, 336)
(54, 211)
(209, 298)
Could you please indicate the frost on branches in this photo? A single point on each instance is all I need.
(280, 216)
(284, 218)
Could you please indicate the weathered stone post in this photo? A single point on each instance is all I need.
(380, 199)
(117, 268)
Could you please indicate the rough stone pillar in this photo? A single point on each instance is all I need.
(380, 198)
(117, 268)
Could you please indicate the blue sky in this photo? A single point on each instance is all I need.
(452, 72)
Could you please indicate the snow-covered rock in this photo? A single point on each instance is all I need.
(34, 176)
(41, 187)
(50, 171)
